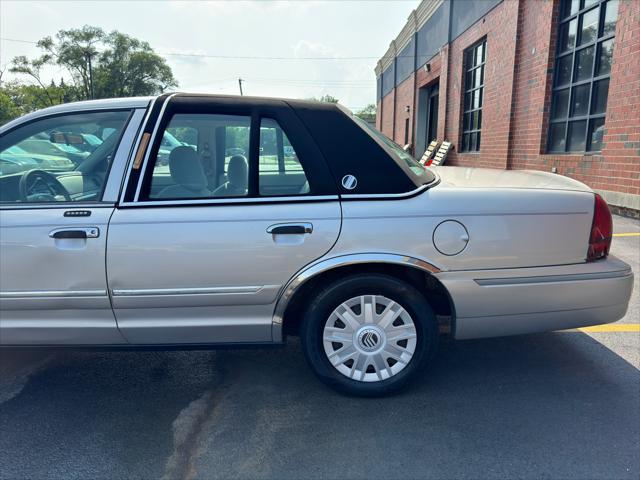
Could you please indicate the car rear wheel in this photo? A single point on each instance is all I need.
(368, 334)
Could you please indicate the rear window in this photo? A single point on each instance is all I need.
(421, 175)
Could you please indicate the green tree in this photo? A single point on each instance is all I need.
(325, 98)
(75, 50)
(17, 99)
(368, 113)
(8, 109)
(100, 65)
(328, 99)
(130, 67)
(32, 68)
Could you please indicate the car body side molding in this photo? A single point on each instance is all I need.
(326, 264)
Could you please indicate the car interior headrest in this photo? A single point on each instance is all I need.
(237, 172)
(186, 169)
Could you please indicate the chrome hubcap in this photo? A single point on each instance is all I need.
(369, 338)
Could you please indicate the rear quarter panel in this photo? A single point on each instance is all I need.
(508, 228)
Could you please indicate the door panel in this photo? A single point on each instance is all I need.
(53, 287)
(209, 273)
(53, 284)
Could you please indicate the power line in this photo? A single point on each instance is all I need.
(287, 83)
(333, 83)
(19, 41)
(319, 84)
(296, 81)
(261, 57)
(341, 81)
(247, 57)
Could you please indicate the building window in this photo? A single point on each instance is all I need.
(582, 70)
(474, 60)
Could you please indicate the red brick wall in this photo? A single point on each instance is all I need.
(388, 115)
(379, 115)
(404, 98)
(533, 83)
(617, 167)
(500, 27)
(620, 170)
(521, 36)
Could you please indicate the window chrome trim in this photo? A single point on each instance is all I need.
(228, 201)
(125, 182)
(283, 199)
(147, 154)
(58, 205)
(240, 200)
(121, 157)
(373, 196)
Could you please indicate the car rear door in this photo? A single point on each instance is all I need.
(53, 286)
(200, 248)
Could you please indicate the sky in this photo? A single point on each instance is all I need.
(311, 36)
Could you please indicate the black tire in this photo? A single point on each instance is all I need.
(328, 299)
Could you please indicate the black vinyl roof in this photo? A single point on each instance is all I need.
(350, 150)
(346, 147)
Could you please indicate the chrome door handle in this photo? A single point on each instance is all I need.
(290, 228)
(82, 232)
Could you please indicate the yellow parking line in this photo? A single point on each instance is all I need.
(635, 234)
(612, 327)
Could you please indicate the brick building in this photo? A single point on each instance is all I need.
(539, 84)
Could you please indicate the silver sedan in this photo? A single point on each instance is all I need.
(267, 218)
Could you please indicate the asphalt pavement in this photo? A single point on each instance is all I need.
(555, 405)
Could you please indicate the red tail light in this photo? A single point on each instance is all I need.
(601, 231)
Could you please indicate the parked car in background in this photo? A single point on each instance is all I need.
(350, 244)
(41, 146)
(234, 151)
(20, 157)
(169, 142)
(14, 164)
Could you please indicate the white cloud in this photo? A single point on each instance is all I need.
(304, 48)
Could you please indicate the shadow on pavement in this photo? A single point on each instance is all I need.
(100, 415)
(556, 405)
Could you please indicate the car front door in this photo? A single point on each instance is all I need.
(54, 216)
(204, 241)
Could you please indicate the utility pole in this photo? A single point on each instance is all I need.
(240, 84)
(90, 75)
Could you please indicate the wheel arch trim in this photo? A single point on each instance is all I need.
(328, 264)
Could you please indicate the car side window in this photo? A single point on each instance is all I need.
(65, 158)
(202, 156)
(280, 170)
